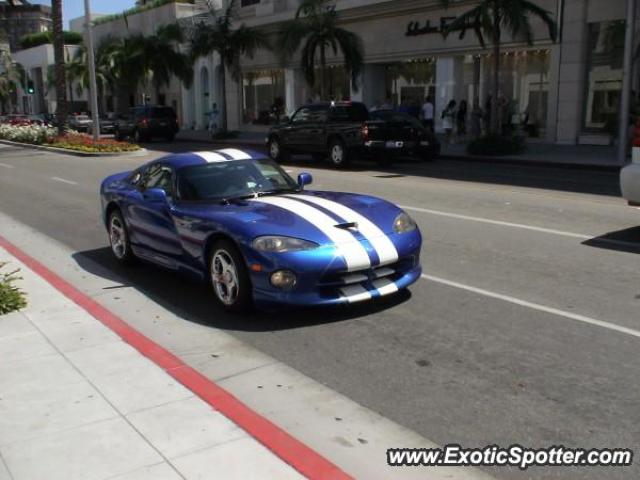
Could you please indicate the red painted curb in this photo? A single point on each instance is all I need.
(302, 458)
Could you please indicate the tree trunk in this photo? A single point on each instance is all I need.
(323, 67)
(495, 117)
(223, 79)
(58, 55)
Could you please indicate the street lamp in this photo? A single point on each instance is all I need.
(93, 90)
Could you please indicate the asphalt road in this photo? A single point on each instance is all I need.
(526, 329)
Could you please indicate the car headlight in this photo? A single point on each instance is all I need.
(404, 223)
(277, 244)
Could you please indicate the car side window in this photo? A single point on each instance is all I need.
(319, 115)
(302, 115)
(159, 176)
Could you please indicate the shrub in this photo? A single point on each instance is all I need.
(30, 133)
(137, 9)
(85, 143)
(41, 38)
(11, 297)
(494, 145)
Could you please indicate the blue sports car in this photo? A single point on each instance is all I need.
(235, 218)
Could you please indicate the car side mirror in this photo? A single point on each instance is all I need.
(304, 179)
(156, 195)
(285, 119)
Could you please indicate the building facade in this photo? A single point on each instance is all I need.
(38, 63)
(568, 90)
(19, 18)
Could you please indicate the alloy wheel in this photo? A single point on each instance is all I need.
(224, 277)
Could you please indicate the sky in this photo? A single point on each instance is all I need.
(75, 8)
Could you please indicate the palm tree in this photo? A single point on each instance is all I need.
(12, 74)
(58, 55)
(218, 35)
(315, 27)
(163, 58)
(490, 18)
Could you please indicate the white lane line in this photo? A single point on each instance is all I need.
(498, 222)
(5, 165)
(58, 179)
(535, 306)
(581, 236)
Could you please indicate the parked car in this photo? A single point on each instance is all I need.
(108, 124)
(144, 123)
(80, 123)
(394, 133)
(236, 219)
(321, 129)
(343, 130)
(630, 182)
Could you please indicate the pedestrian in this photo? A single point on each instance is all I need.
(427, 113)
(476, 119)
(461, 118)
(448, 116)
(213, 119)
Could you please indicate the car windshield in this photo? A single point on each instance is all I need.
(163, 112)
(232, 180)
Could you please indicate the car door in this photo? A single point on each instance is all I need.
(151, 221)
(312, 134)
(295, 134)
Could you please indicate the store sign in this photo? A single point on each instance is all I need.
(415, 28)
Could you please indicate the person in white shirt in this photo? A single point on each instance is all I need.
(213, 119)
(428, 113)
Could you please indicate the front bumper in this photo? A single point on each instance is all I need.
(322, 278)
(400, 147)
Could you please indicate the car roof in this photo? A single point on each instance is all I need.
(180, 160)
(341, 103)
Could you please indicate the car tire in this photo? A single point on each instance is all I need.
(277, 152)
(338, 153)
(119, 238)
(139, 137)
(229, 277)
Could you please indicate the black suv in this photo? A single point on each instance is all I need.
(144, 123)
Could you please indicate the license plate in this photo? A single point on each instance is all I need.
(393, 144)
(163, 124)
(424, 144)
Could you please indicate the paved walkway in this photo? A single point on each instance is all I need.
(587, 156)
(76, 402)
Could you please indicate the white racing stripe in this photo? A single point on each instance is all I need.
(347, 245)
(535, 306)
(355, 293)
(236, 154)
(384, 247)
(385, 286)
(211, 157)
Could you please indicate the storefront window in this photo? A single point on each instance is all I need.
(409, 83)
(337, 83)
(263, 96)
(604, 75)
(524, 88)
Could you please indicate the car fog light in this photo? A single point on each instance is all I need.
(283, 279)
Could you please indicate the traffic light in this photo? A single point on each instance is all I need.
(30, 88)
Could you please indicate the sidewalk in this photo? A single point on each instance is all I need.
(77, 402)
(537, 153)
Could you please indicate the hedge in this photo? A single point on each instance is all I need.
(42, 38)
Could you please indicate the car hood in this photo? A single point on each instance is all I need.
(306, 215)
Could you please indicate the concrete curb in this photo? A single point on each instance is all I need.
(136, 153)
